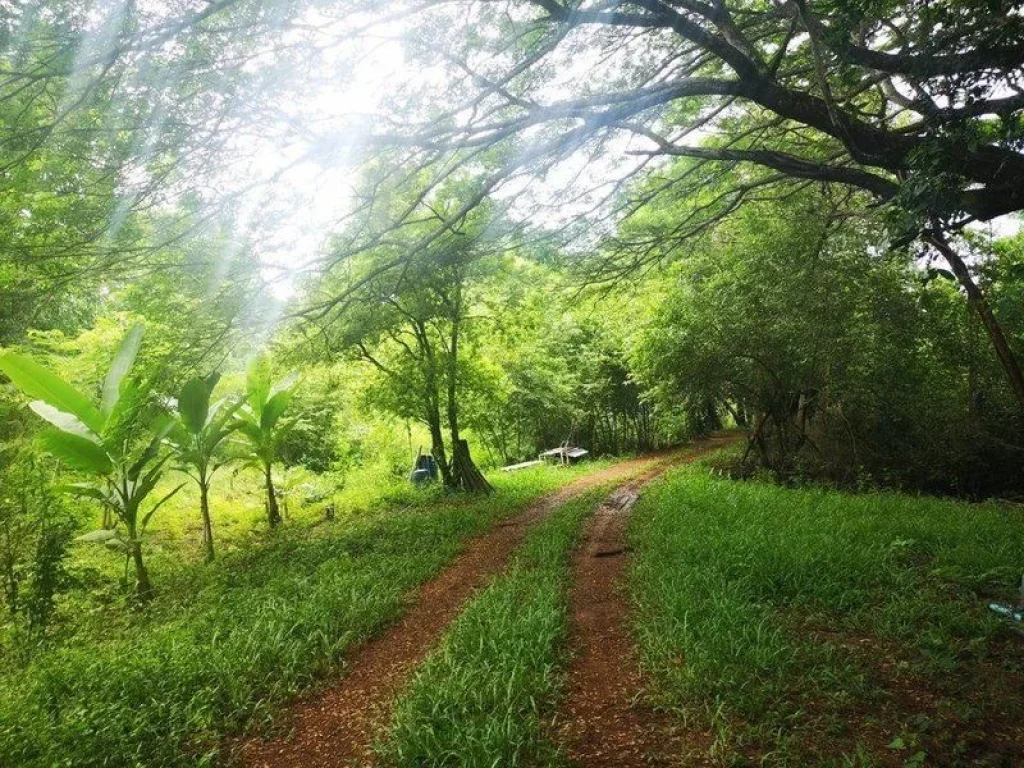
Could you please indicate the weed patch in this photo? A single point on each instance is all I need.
(778, 616)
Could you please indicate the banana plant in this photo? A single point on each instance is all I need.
(260, 423)
(198, 431)
(101, 442)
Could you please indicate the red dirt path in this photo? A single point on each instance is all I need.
(604, 721)
(336, 726)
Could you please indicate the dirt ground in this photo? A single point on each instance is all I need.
(336, 726)
(604, 721)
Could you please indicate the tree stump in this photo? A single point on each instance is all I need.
(465, 475)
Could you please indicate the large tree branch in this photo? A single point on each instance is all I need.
(790, 165)
(925, 65)
(661, 16)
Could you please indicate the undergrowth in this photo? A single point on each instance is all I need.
(224, 644)
(808, 624)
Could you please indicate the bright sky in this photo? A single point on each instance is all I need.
(312, 195)
(315, 194)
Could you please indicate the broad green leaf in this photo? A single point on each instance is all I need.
(179, 436)
(65, 422)
(77, 452)
(211, 381)
(148, 482)
(120, 366)
(122, 418)
(251, 431)
(275, 407)
(220, 423)
(194, 405)
(221, 414)
(36, 381)
(258, 383)
(87, 491)
(145, 457)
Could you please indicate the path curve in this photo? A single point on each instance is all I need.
(336, 726)
(603, 720)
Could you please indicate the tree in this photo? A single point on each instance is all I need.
(117, 443)
(917, 104)
(850, 365)
(108, 111)
(196, 436)
(413, 327)
(561, 376)
(261, 423)
(36, 531)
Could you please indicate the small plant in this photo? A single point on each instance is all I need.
(35, 533)
(260, 422)
(101, 442)
(197, 433)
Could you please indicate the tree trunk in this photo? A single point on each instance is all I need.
(437, 447)
(273, 513)
(204, 508)
(431, 402)
(143, 586)
(712, 421)
(465, 475)
(977, 300)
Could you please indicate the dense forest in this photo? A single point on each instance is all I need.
(260, 260)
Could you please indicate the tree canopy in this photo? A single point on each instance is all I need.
(520, 224)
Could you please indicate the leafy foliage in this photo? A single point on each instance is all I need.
(235, 640)
(103, 442)
(613, 224)
(36, 529)
(196, 436)
(834, 355)
(260, 421)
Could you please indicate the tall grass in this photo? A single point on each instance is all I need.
(749, 598)
(482, 698)
(224, 644)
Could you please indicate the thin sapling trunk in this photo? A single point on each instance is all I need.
(143, 586)
(273, 513)
(204, 508)
(977, 300)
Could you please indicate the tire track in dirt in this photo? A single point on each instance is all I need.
(604, 721)
(336, 726)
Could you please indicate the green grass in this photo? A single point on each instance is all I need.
(484, 696)
(812, 626)
(224, 644)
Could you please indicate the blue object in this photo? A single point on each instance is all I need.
(420, 477)
(425, 470)
(1007, 611)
